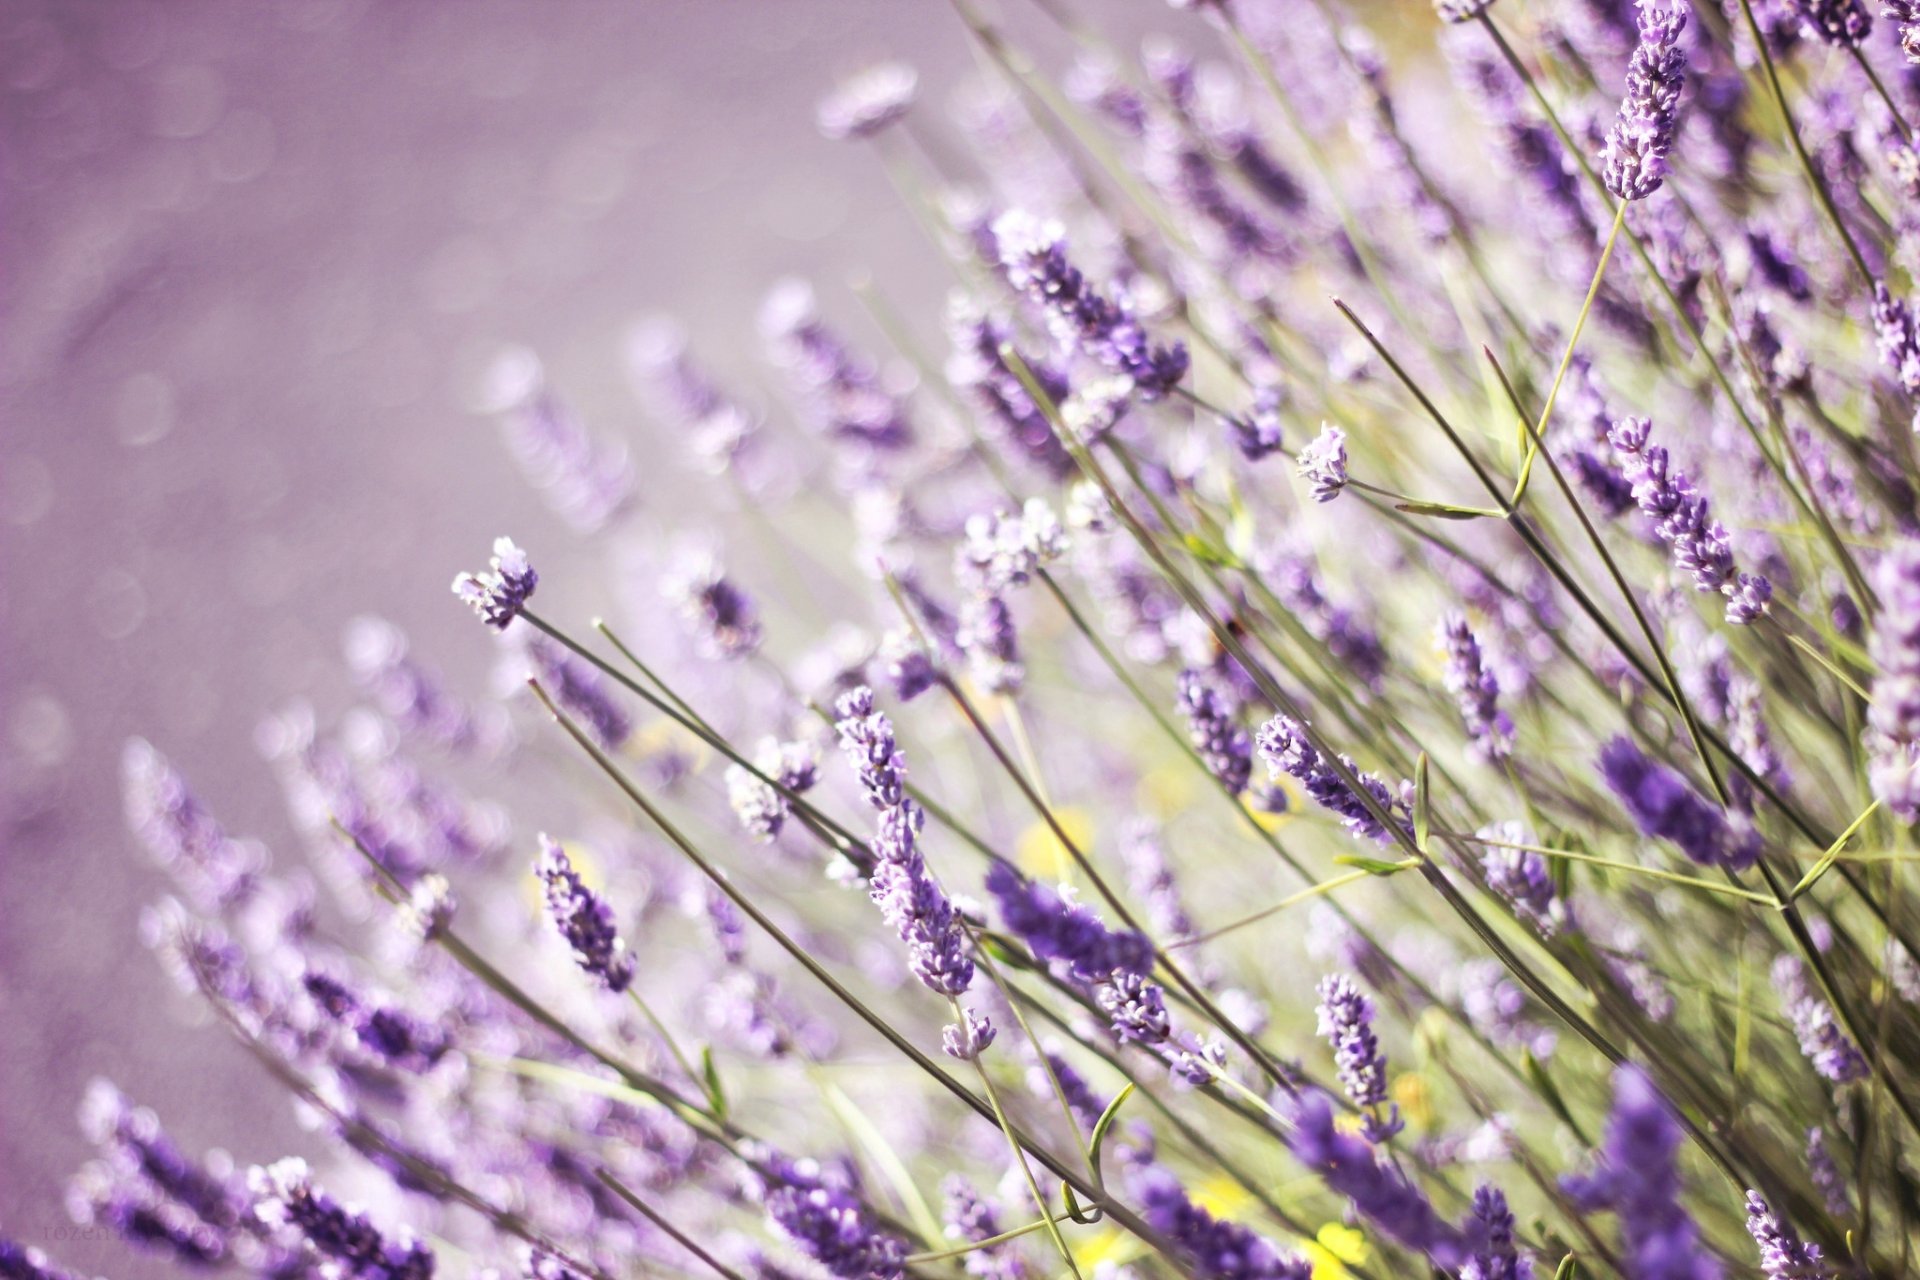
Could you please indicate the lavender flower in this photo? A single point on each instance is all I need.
(723, 616)
(579, 687)
(1034, 254)
(18, 1262)
(971, 1218)
(868, 101)
(216, 870)
(584, 919)
(1216, 734)
(1523, 878)
(1897, 335)
(1257, 432)
(843, 393)
(1346, 1020)
(1491, 1229)
(1827, 1178)
(1002, 550)
(1476, 691)
(1907, 14)
(1663, 805)
(1843, 23)
(586, 483)
(901, 886)
(969, 1037)
(1214, 1248)
(1827, 1047)
(1892, 737)
(1284, 746)
(992, 646)
(1782, 1254)
(762, 808)
(1634, 161)
(1378, 1190)
(1636, 1177)
(1060, 929)
(1323, 463)
(287, 1199)
(829, 1224)
(500, 595)
(1684, 520)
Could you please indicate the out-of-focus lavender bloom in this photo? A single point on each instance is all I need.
(1634, 162)
(720, 434)
(1214, 729)
(586, 483)
(148, 1192)
(1215, 1248)
(1475, 690)
(1352, 642)
(1086, 1105)
(761, 808)
(1003, 550)
(1664, 805)
(1827, 1047)
(1897, 335)
(1497, 1008)
(1783, 1255)
(978, 366)
(287, 1199)
(903, 888)
(1323, 463)
(410, 694)
(1060, 929)
(215, 869)
(970, 1218)
(1684, 520)
(1152, 879)
(578, 687)
(1258, 432)
(498, 596)
(992, 645)
(829, 1224)
(868, 101)
(1346, 1020)
(1523, 877)
(1491, 1233)
(387, 1032)
(584, 918)
(1838, 22)
(1284, 746)
(723, 616)
(1827, 1178)
(429, 908)
(1905, 13)
(1378, 1190)
(1034, 254)
(1636, 1176)
(842, 393)
(1096, 407)
(19, 1262)
(1893, 719)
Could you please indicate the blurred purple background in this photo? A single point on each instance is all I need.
(255, 256)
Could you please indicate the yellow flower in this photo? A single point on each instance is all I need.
(1335, 1246)
(1223, 1197)
(1039, 851)
(1415, 1097)
(1168, 789)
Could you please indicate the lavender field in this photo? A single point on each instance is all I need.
(1246, 640)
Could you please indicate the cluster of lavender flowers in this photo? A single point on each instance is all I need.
(1620, 869)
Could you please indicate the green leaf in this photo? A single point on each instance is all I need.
(1569, 1269)
(1100, 1129)
(1373, 866)
(1422, 805)
(710, 1076)
(1210, 552)
(1447, 511)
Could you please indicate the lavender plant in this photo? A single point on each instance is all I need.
(1619, 869)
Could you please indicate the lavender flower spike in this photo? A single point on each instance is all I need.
(1284, 746)
(1494, 1257)
(826, 1220)
(286, 1197)
(1664, 805)
(1476, 690)
(1783, 1256)
(1216, 735)
(1323, 463)
(1636, 1176)
(1897, 335)
(868, 101)
(1833, 1055)
(1634, 161)
(500, 595)
(1906, 13)
(1057, 928)
(584, 918)
(1215, 1248)
(1842, 23)
(1378, 1190)
(19, 1262)
(1346, 1020)
(1034, 255)
(1683, 519)
(1893, 720)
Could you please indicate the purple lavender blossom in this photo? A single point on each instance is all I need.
(1906, 13)
(1323, 463)
(1783, 1256)
(971, 1218)
(868, 101)
(866, 739)
(1636, 1176)
(977, 365)
(722, 615)
(1827, 1047)
(1034, 254)
(578, 686)
(842, 393)
(19, 1262)
(1284, 746)
(1843, 23)
(148, 1192)
(1897, 335)
(1346, 1020)
(829, 1224)
(387, 1032)
(1004, 549)
(584, 919)
(1060, 929)
(1664, 805)
(216, 870)
(1634, 161)
(1215, 1248)
(1892, 737)
(992, 645)
(763, 809)
(499, 596)
(287, 1199)
(588, 484)
(1215, 731)
(410, 694)
(1258, 432)
(1684, 520)
(1491, 1233)
(1475, 690)
(1826, 1175)
(969, 1037)
(1523, 878)
(1378, 1190)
